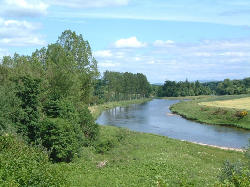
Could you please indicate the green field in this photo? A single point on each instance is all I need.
(217, 110)
(140, 159)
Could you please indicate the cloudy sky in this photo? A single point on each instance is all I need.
(164, 39)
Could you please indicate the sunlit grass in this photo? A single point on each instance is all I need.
(243, 103)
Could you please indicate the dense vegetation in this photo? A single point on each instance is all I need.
(226, 87)
(44, 115)
(176, 89)
(116, 86)
(195, 110)
(230, 87)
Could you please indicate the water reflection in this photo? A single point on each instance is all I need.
(154, 117)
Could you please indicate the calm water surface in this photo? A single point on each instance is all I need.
(153, 117)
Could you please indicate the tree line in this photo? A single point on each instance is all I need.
(230, 87)
(186, 88)
(116, 86)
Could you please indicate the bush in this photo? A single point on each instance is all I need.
(9, 105)
(241, 114)
(23, 165)
(62, 139)
(88, 126)
(27, 119)
(61, 108)
(236, 174)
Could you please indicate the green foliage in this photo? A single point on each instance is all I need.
(62, 138)
(230, 87)
(108, 140)
(88, 126)
(116, 86)
(28, 90)
(235, 174)
(23, 165)
(9, 106)
(176, 89)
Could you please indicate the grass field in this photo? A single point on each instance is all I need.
(218, 112)
(141, 159)
(243, 103)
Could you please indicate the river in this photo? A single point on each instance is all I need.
(155, 117)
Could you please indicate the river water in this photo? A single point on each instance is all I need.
(155, 117)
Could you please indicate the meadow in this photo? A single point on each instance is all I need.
(243, 103)
(126, 158)
(216, 110)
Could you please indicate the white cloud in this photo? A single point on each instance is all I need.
(131, 42)
(89, 3)
(204, 60)
(19, 33)
(107, 64)
(103, 53)
(23, 8)
(161, 43)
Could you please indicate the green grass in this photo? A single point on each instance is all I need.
(193, 110)
(140, 159)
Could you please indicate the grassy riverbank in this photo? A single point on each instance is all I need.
(140, 159)
(207, 110)
(125, 158)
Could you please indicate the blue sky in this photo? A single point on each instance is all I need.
(164, 39)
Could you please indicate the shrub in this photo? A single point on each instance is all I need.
(236, 174)
(24, 165)
(88, 126)
(28, 90)
(62, 139)
(241, 114)
(9, 105)
(62, 108)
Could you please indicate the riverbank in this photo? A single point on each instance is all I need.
(196, 111)
(122, 157)
(141, 159)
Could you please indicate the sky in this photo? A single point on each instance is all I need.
(163, 39)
